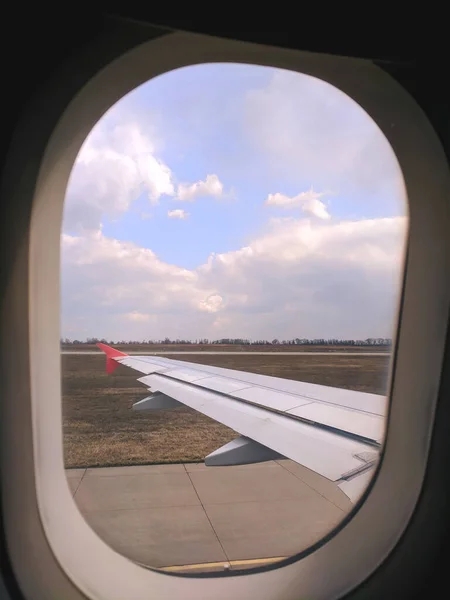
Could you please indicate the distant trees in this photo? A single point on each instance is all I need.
(238, 342)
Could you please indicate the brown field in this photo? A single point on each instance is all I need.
(224, 348)
(100, 429)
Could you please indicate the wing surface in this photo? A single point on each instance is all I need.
(334, 432)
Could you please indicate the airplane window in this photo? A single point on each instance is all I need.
(232, 254)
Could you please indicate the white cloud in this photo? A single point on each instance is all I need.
(212, 187)
(212, 304)
(307, 127)
(301, 278)
(308, 201)
(178, 213)
(116, 164)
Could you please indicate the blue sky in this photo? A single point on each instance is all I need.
(278, 147)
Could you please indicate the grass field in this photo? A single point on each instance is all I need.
(100, 429)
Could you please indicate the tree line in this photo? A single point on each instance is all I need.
(238, 342)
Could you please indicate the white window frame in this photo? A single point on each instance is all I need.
(54, 553)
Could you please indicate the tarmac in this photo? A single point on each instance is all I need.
(189, 517)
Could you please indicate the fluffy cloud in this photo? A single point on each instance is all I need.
(178, 213)
(212, 304)
(109, 285)
(308, 201)
(116, 164)
(300, 278)
(212, 186)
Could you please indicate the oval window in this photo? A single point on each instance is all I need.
(233, 238)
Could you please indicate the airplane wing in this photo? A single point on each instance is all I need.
(335, 432)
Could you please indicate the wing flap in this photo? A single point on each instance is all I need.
(271, 398)
(226, 385)
(358, 423)
(325, 452)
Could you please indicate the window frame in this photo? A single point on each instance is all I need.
(40, 514)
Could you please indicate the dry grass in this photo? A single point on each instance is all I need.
(101, 430)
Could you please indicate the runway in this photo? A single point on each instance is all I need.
(193, 518)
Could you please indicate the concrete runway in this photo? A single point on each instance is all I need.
(189, 517)
(356, 353)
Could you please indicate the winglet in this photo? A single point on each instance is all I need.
(111, 355)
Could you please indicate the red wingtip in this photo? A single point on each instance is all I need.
(111, 353)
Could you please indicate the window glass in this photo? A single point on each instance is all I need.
(239, 217)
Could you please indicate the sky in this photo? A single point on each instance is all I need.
(226, 200)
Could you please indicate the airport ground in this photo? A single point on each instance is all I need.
(140, 482)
